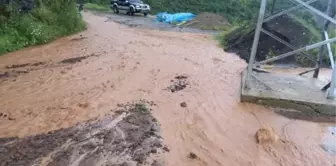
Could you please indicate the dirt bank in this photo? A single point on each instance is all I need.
(283, 27)
(210, 21)
(83, 78)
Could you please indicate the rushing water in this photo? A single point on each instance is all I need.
(86, 75)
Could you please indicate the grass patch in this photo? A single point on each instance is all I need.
(96, 7)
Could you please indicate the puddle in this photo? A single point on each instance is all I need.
(329, 141)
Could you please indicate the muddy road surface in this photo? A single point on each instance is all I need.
(69, 91)
(140, 22)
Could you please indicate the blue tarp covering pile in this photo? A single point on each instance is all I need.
(174, 18)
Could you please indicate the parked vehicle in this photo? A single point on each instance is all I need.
(80, 7)
(130, 6)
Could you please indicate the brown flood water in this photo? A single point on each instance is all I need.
(118, 64)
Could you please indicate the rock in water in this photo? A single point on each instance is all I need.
(265, 135)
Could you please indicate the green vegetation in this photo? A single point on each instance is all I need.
(47, 21)
(97, 7)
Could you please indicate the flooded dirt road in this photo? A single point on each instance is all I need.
(193, 83)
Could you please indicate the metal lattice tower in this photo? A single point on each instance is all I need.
(328, 18)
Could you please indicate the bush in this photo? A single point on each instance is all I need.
(47, 21)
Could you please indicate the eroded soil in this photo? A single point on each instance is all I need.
(130, 137)
(213, 128)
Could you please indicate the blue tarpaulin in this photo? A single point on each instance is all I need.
(174, 18)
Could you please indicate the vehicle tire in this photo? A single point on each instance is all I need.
(145, 14)
(131, 11)
(115, 9)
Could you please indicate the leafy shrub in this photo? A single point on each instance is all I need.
(47, 21)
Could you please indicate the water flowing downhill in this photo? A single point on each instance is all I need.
(84, 76)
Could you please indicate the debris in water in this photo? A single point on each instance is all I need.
(83, 105)
(166, 149)
(38, 63)
(265, 135)
(74, 60)
(179, 83)
(183, 104)
(77, 59)
(17, 66)
(181, 77)
(20, 71)
(10, 118)
(193, 155)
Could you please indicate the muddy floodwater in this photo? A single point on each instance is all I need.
(121, 95)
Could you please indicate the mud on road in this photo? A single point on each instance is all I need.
(9, 73)
(132, 136)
